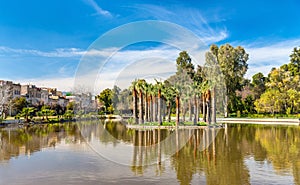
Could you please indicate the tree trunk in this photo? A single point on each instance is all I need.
(195, 110)
(163, 110)
(204, 107)
(154, 109)
(184, 111)
(135, 106)
(213, 106)
(169, 111)
(149, 108)
(226, 106)
(177, 110)
(198, 108)
(208, 112)
(146, 107)
(141, 118)
(159, 107)
(190, 109)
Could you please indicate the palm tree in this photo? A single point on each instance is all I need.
(154, 104)
(213, 106)
(196, 93)
(204, 88)
(177, 101)
(150, 92)
(159, 87)
(146, 90)
(213, 77)
(169, 94)
(134, 102)
(26, 112)
(140, 88)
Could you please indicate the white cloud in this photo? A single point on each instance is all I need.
(196, 21)
(60, 52)
(62, 84)
(263, 58)
(98, 9)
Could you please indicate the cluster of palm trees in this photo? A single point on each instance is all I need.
(188, 90)
(154, 102)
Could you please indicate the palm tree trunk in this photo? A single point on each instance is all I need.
(208, 112)
(150, 108)
(198, 107)
(163, 109)
(213, 106)
(146, 107)
(226, 106)
(154, 108)
(177, 109)
(190, 109)
(183, 111)
(169, 111)
(204, 107)
(159, 107)
(195, 110)
(135, 106)
(141, 118)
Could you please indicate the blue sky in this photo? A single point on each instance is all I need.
(42, 42)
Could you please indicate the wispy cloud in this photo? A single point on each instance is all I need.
(60, 52)
(197, 22)
(98, 9)
(263, 57)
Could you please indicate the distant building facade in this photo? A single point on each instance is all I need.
(39, 96)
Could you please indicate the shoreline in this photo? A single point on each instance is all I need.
(220, 121)
(263, 121)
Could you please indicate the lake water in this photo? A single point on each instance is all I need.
(107, 153)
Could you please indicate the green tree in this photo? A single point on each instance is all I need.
(46, 111)
(106, 98)
(71, 105)
(294, 65)
(269, 102)
(258, 84)
(115, 97)
(19, 103)
(184, 63)
(169, 93)
(233, 64)
(26, 112)
(69, 114)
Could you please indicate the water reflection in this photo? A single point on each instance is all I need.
(239, 154)
(16, 141)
